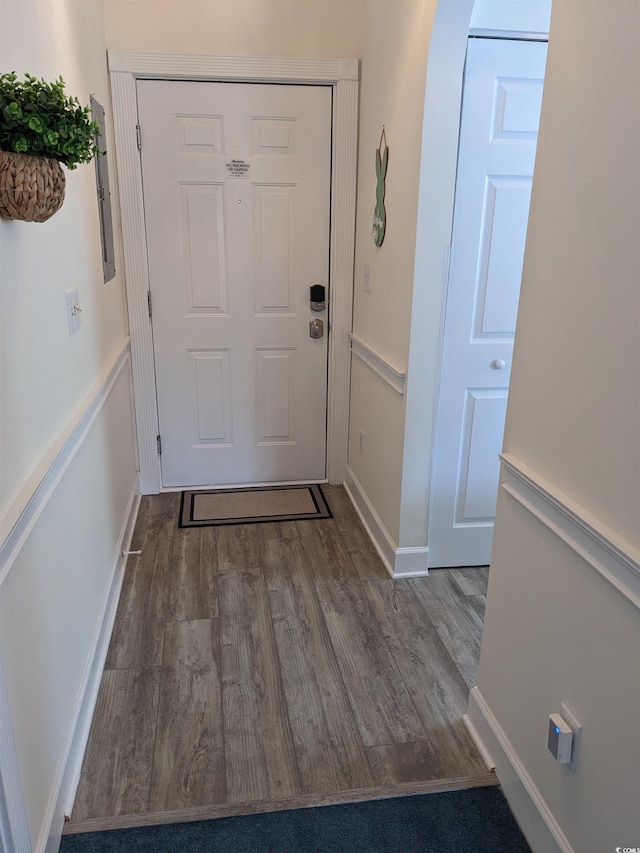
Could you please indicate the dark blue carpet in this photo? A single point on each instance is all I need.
(476, 820)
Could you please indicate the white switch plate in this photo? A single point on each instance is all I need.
(367, 278)
(73, 309)
(576, 728)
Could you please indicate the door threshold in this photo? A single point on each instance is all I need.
(266, 485)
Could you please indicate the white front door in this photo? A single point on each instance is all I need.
(236, 180)
(498, 132)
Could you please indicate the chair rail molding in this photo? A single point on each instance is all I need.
(392, 375)
(599, 546)
(343, 76)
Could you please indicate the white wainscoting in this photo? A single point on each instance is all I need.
(72, 765)
(27, 507)
(602, 551)
(399, 562)
(600, 547)
(20, 524)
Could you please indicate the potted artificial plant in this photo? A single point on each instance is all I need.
(40, 128)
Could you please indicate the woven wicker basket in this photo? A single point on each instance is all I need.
(31, 187)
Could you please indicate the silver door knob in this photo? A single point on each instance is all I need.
(316, 328)
(498, 364)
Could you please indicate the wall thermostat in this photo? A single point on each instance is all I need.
(560, 739)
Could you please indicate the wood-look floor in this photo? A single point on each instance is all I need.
(260, 667)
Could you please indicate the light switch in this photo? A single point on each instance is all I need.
(367, 278)
(74, 311)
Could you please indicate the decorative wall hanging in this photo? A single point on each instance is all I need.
(40, 127)
(380, 214)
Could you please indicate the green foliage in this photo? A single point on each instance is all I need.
(38, 118)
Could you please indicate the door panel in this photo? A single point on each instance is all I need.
(484, 414)
(237, 190)
(498, 132)
(274, 207)
(210, 373)
(202, 247)
(504, 229)
(273, 377)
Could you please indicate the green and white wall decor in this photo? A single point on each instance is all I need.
(380, 214)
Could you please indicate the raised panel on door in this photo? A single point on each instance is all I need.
(498, 132)
(480, 440)
(274, 372)
(518, 102)
(274, 136)
(203, 247)
(237, 202)
(500, 256)
(198, 134)
(273, 209)
(211, 395)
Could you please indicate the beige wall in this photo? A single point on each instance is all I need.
(324, 28)
(562, 622)
(574, 415)
(46, 373)
(393, 79)
(521, 16)
(393, 83)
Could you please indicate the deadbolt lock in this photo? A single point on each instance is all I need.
(317, 297)
(316, 328)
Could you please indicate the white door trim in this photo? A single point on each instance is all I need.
(342, 74)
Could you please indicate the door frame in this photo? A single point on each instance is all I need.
(436, 191)
(125, 68)
(501, 36)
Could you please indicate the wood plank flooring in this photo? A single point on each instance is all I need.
(268, 666)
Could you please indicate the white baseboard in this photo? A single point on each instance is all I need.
(411, 562)
(534, 816)
(480, 744)
(65, 791)
(383, 543)
(399, 562)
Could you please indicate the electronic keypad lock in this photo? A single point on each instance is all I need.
(317, 297)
